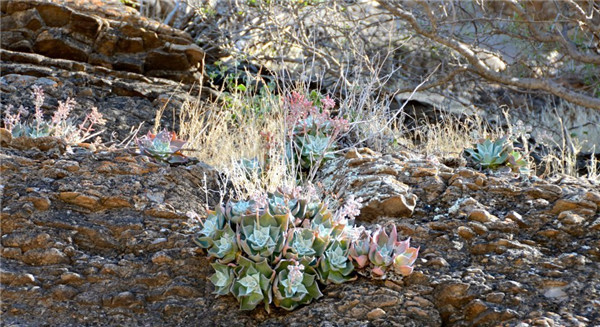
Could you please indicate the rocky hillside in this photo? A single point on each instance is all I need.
(97, 237)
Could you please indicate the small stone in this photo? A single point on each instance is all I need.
(495, 297)
(517, 218)
(123, 299)
(465, 232)
(570, 218)
(452, 293)
(78, 199)
(482, 216)
(20, 279)
(63, 292)
(375, 314)
(438, 262)
(12, 253)
(555, 293)
(479, 228)
(474, 309)
(71, 278)
(160, 258)
(40, 203)
(44, 257)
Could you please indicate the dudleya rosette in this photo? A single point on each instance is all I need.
(295, 284)
(163, 146)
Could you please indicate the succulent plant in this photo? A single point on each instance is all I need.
(315, 148)
(385, 248)
(253, 283)
(222, 278)
(163, 146)
(303, 243)
(214, 222)
(335, 267)
(488, 154)
(360, 248)
(33, 130)
(224, 246)
(405, 258)
(295, 284)
(277, 247)
(263, 236)
(234, 211)
(517, 162)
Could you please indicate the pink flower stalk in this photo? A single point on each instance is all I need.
(10, 119)
(37, 94)
(63, 111)
(295, 273)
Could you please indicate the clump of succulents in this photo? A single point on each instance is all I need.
(312, 131)
(164, 146)
(280, 247)
(60, 125)
(493, 154)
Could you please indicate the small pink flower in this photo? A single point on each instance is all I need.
(37, 93)
(64, 109)
(328, 103)
(96, 117)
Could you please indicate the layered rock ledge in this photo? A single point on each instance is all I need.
(102, 238)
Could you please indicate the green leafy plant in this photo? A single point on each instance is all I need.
(493, 154)
(277, 248)
(163, 146)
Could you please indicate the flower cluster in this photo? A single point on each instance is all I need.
(60, 125)
(277, 248)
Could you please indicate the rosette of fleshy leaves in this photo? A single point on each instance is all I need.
(385, 248)
(295, 284)
(263, 236)
(224, 246)
(334, 265)
(360, 248)
(253, 283)
(405, 258)
(322, 222)
(235, 210)
(163, 146)
(223, 278)
(280, 204)
(214, 222)
(304, 243)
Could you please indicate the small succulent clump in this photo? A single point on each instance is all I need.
(60, 125)
(163, 146)
(312, 131)
(280, 247)
(493, 154)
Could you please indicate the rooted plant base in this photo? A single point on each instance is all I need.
(102, 239)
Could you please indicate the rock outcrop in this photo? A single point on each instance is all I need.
(102, 33)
